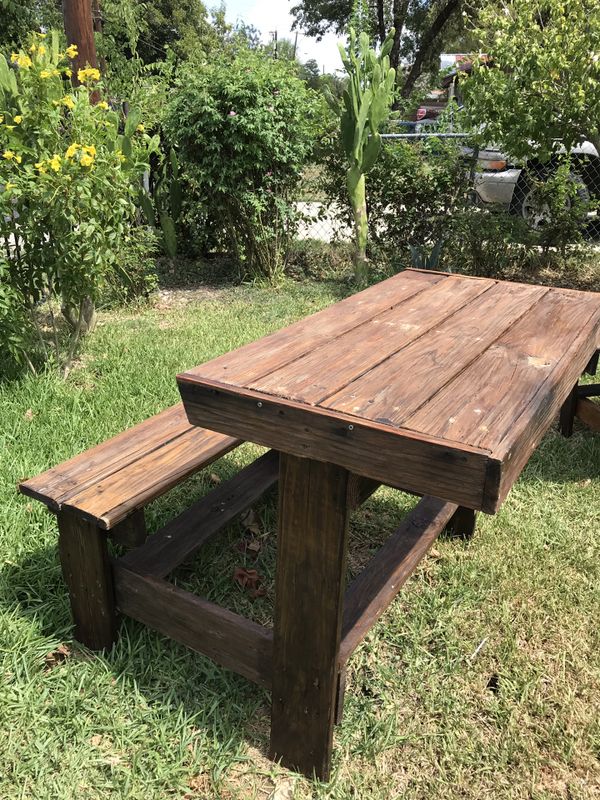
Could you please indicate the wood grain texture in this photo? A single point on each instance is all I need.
(108, 482)
(442, 386)
(87, 573)
(359, 351)
(131, 532)
(373, 590)
(259, 358)
(384, 394)
(233, 642)
(402, 459)
(482, 403)
(311, 558)
(179, 539)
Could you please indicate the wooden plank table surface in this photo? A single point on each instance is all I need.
(437, 384)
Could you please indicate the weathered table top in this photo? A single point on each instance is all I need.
(439, 384)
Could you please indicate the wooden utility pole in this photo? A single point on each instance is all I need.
(79, 27)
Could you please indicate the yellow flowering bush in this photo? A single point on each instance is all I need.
(69, 174)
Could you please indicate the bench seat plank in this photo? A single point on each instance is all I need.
(108, 482)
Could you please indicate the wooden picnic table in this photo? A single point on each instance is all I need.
(437, 384)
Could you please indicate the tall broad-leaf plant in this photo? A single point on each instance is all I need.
(367, 101)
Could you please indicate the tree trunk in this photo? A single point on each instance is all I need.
(88, 316)
(427, 43)
(79, 28)
(381, 21)
(399, 12)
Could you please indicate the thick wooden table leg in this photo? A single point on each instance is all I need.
(87, 573)
(567, 413)
(311, 560)
(462, 524)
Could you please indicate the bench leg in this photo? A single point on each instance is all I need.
(130, 533)
(567, 413)
(311, 562)
(87, 573)
(462, 524)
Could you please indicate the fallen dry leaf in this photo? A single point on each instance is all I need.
(96, 740)
(56, 657)
(28, 414)
(214, 478)
(250, 522)
(250, 580)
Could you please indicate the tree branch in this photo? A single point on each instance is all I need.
(427, 43)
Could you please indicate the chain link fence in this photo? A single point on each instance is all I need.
(557, 200)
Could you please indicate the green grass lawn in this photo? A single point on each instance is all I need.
(482, 680)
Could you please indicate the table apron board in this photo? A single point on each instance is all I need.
(459, 474)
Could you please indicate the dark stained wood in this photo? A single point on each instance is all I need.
(373, 590)
(131, 532)
(385, 395)
(340, 696)
(481, 404)
(233, 642)
(537, 415)
(567, 413)
(440, 408)
(362, 349)
(463, 523)
(106, 483)
(589, 412)
(592, 366)
(311, 558)
(403, 459)
(271, 352)
(360, 489)
(179, 540)
(87, 573)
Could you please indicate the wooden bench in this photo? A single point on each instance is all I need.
(103, 491)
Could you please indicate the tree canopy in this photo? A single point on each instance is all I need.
(421, 28)
(539, 84)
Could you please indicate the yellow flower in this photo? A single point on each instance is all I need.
(68, 102)
(41, 50)
(18, 119)
(18, 158)
(41, 35)
(8, 186)
(86, 161)
(44, 74)
(140, 128)
(71, 51)
(54, 163)
(71, 150)
(8, 155)
(90, 150)
(69, 73)
(1, 118)
(9, 127)
(103, 105)
(21, 59)
(89, 74)
(33, 48)
(41, 167)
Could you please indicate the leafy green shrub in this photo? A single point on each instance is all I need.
(243, 131)
(68, 179)
(135, 268)
(415, 189)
